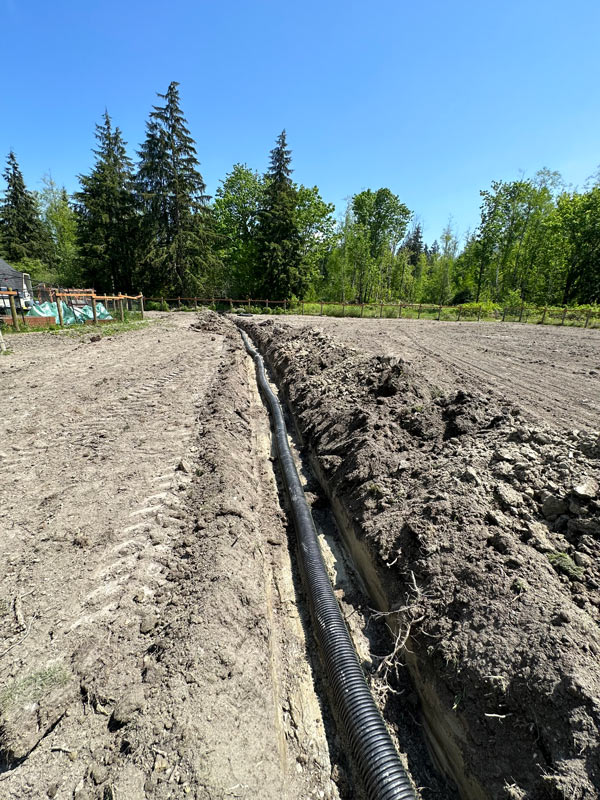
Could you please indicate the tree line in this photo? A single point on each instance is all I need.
(148, 225)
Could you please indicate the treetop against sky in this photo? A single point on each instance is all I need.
(434, 100)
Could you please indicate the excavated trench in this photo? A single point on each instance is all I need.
(498, 633)
(372, 640)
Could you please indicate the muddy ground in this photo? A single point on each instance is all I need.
(552, 373)
(475, 522)
(152, 645)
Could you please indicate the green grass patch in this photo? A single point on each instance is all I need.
(33, 687)
(562, 562)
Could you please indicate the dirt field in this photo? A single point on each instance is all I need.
(552, 373)
(477, 525)
(155, 642)
(151, 642)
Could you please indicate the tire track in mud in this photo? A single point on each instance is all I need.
(507, 380)
(166, 651)
(78, 507)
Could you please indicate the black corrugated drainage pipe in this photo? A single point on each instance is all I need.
(376, 759)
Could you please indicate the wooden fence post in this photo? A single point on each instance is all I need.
(195, 304)
(380, 310)
(479, 314)
(439, 313)
(562, 322)
(459, 313)
(285, 305)
(94, 310)
(343, 309)
(521, 311)
(267, 302)
(179, 302)
(503, 313)
(419, 312)
(13, 311)
(61, 321)
(544, 315)
(121, 310)
(587, 317)
(321, 308)
(142, 305)
(303, 308)
(362, 309)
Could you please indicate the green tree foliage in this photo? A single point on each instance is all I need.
(280, 272)
(316, 227)
(237, 205)
(535, 243)
(22, 233)
(107, 224)
(367, 265)
(438, 281)
(177, 224)
(60, 220)
(578, 218)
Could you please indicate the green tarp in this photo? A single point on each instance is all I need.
(71, 316)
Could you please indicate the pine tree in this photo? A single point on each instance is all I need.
(106, 212)
(177, 222)
(413, 245)
(278, 244)
(22, 234)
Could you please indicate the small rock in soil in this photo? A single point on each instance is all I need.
(586, 490)
(553, 506)
(148, 623)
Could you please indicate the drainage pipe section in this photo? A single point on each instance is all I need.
(375, 756)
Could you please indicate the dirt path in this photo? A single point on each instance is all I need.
(151, 646)
(552, 373)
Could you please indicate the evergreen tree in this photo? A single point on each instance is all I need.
(278, 244)
(22, 234)
(413, 244)
(178, 228)
(106, 213)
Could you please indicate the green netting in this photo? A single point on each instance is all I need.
(71, 316)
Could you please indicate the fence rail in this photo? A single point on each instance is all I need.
(557, 315)
(471, 311)
(55, 296)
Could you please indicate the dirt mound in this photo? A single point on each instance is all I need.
(483, 532)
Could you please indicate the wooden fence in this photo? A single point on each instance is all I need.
(118, 305)
(472, 311)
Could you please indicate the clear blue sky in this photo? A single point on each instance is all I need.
(432, 99)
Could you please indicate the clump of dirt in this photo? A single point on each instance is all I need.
(485, 537)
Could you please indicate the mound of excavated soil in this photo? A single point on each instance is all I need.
(483, 533)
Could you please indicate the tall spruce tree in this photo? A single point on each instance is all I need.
(178, 231)
(22, 233)
(278, 243)
(107, 216)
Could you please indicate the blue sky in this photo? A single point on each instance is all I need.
(432, 99)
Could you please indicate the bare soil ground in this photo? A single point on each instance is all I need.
(551, 372)
(151, 644)
(473, 521)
